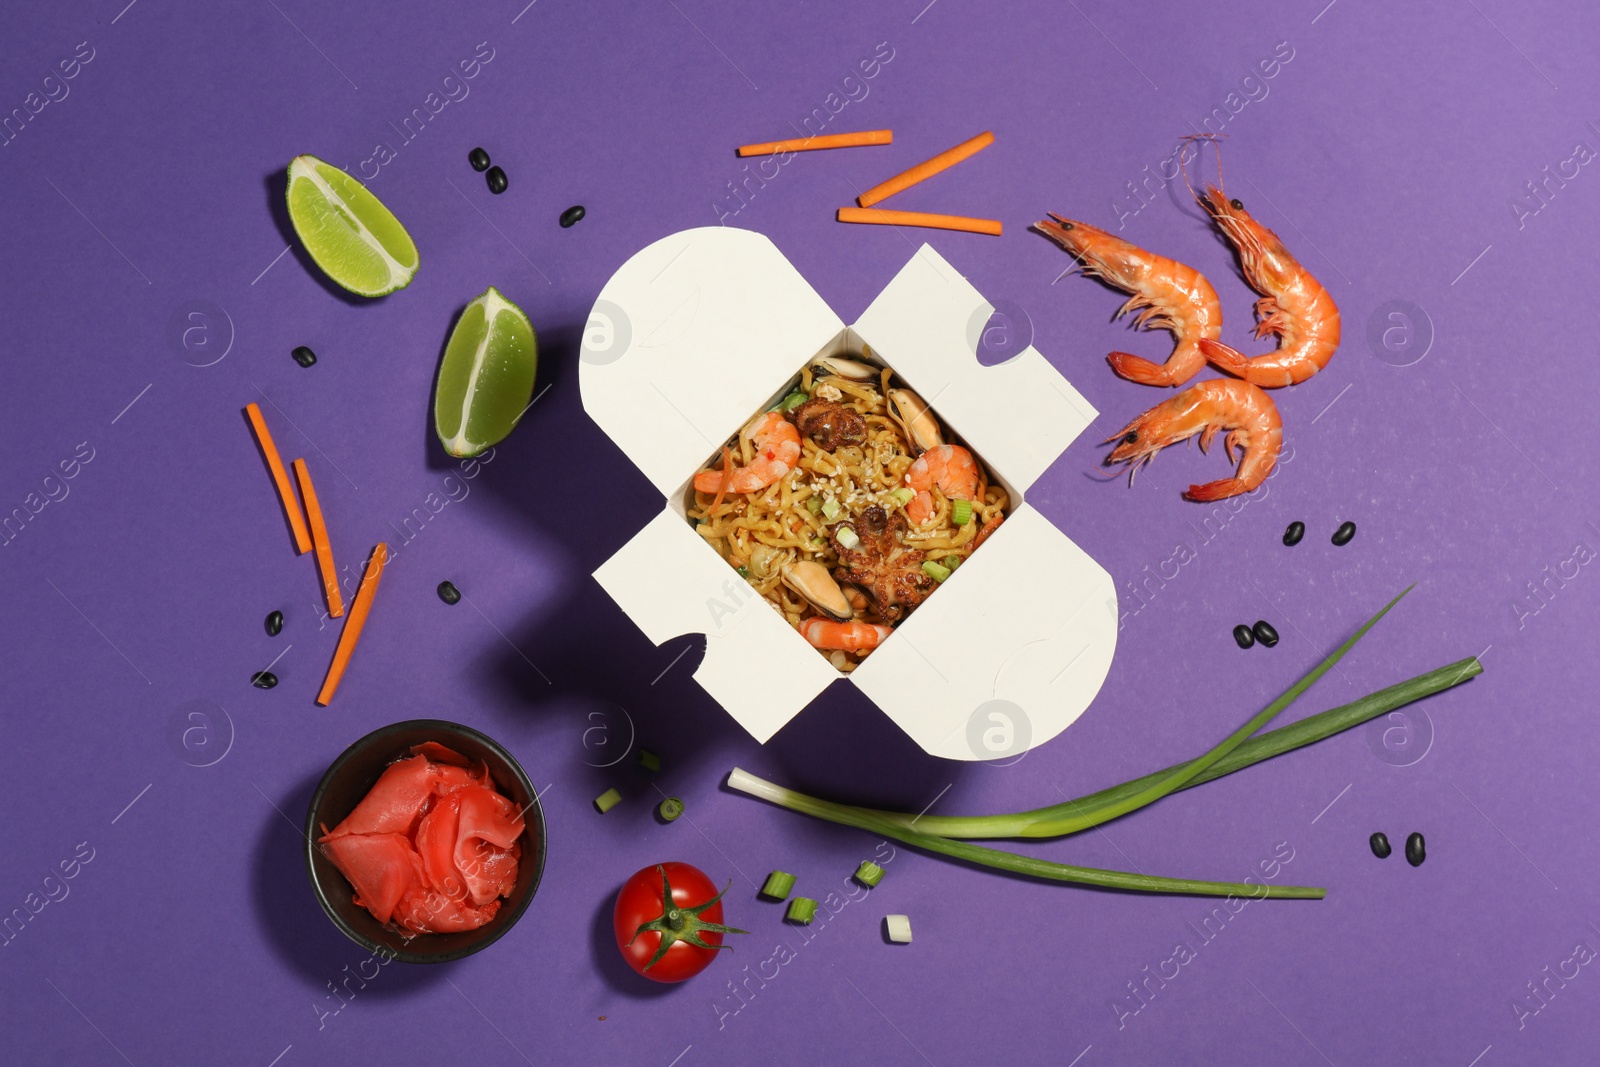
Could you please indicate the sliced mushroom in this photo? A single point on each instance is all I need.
(816, 587)
(846, 368)
(914, 416)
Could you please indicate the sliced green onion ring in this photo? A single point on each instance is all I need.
(801, 910)
(778, 885)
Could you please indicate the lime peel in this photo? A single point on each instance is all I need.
(496, 369)
(354, 256)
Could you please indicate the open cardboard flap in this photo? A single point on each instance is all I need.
(689, 339)
(698, 332)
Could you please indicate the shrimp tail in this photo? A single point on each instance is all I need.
(1224, 358)
(1217, 490)
(1130, 367)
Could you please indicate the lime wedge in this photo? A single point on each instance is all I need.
(355, 239)
(486, 377)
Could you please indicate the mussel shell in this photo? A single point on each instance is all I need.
(913, 414)
(852, 369)
(812, 582)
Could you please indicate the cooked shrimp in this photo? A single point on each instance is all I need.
(850, 636)
(951, 468)
(1175, 298)
(1244, 411)
(777, 450)
(1293, 305)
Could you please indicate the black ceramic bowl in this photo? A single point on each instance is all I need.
(349, 779)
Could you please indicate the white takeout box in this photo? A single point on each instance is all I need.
(694, 335)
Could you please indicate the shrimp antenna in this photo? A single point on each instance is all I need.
(1215, 140)
(1113, 476)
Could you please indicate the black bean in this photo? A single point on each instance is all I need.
(1380, 845)
(1265, 633)
(1344, 533)
(449, 593)
(479, 159)
(304, 356)
(1416, 850)
(496, 179)
(263, 679)
(572, 215)
(1292, 535)
(1243, 636)
(275, 624)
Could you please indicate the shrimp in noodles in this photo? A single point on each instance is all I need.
(830, 504)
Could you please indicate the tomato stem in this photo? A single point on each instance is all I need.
(682, 924)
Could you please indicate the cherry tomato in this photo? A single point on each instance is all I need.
(669, 942)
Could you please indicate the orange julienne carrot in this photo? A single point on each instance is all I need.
(727, 476)
(923, 171)
(280, 478)
(352, 626)
(319, 540)
(920, 218)
(812, 144)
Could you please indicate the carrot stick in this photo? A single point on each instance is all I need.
(352, 626)
(919, 218)
(923, 171)
(319, 540)
(811, 144)
(280, 478)
(727, 476)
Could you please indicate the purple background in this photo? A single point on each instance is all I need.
(1387, 153)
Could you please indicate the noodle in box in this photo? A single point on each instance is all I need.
(845, 503)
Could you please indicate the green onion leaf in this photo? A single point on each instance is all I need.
(960, 512)
(802, 910)
(792, 401)
(778, 885)
(934, 571)
(607, 800)
(649, 760)
(1307, 731)
(902, 495)
(1235, 754)
(670, 808)
(1069, 824)
(813, 504)
(744, 572)
(869, 874)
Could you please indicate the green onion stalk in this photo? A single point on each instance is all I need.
(1235, 752)
(1008, 861)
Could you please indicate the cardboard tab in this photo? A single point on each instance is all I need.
(1021, 643)
(1019, 415)
(670, 583)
